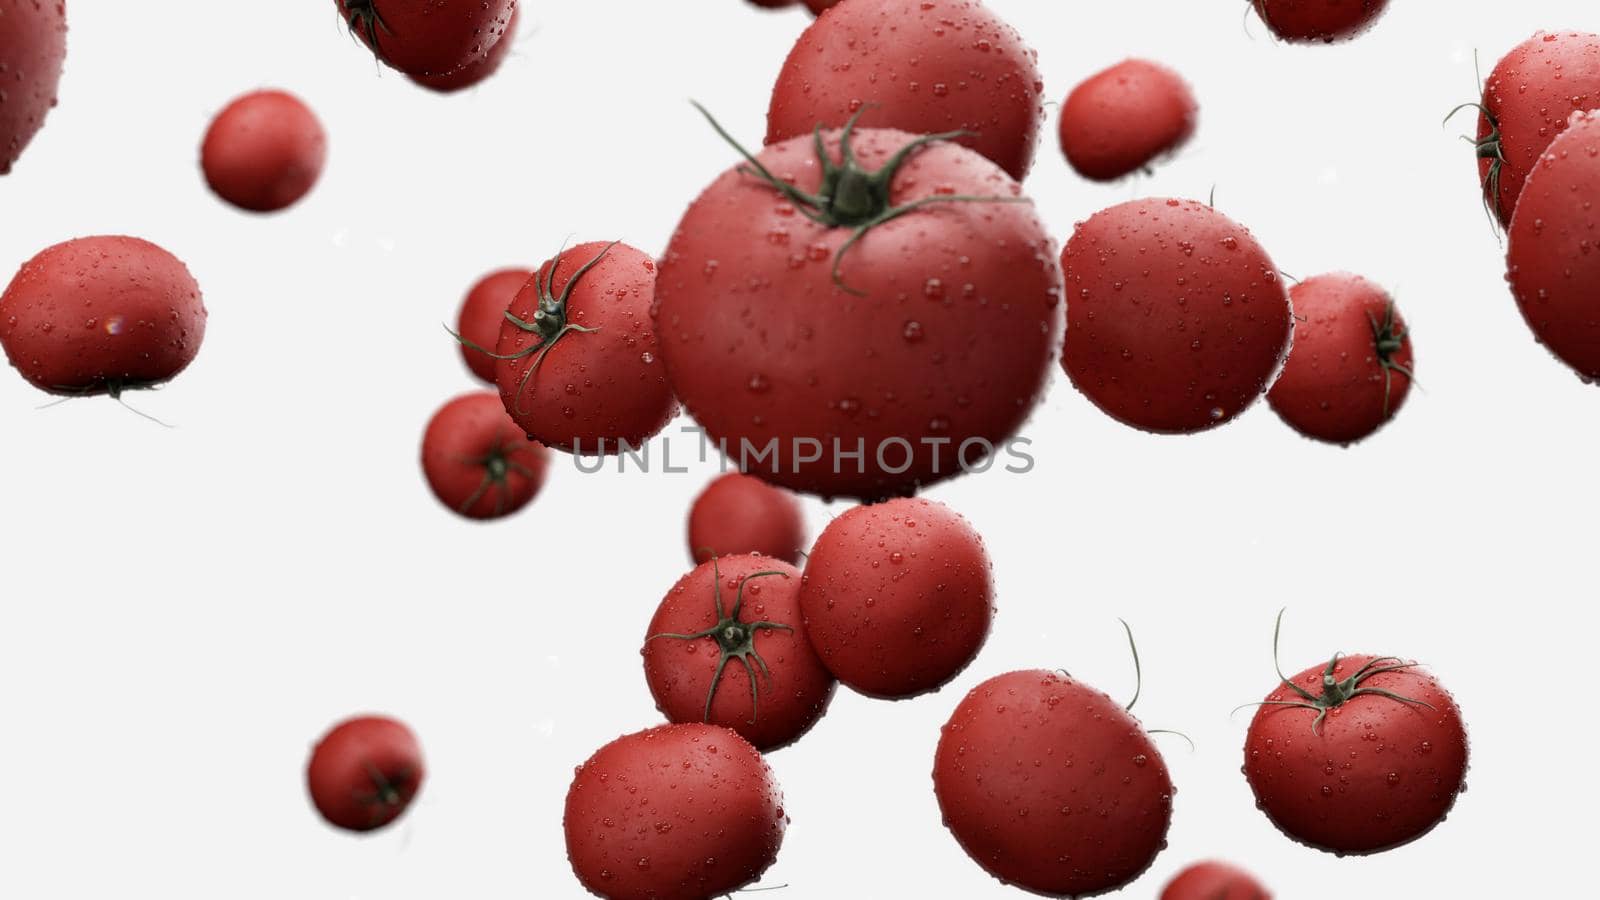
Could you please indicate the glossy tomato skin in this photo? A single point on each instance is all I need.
(365, 772)
(1051, 786)
(1333, 388)
(1377, 773)
(1177, 319)
(592, 391)
(33, 44)
(1531, 94)
(948, 338)
(475, 73)
(898, 597)
(678, 812)
(483, 313)
(1123, 119)
(1319, 21)
(1214, 881)
(101, 315)
(431, 37)
(922, 66)
(1553, 269)
(478, 462)
(795, 694)
(739, 514)
(264, 152)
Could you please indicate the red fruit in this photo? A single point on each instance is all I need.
(898, 597)
(773, 4)
(727, 647)
(33, 43)
(821, 6)
(428, 37)
(1123, 119)
(264, 152)
(1177, 319)
(581, 372)
(477, 460)
(1324, 21)
(101, 315)
(922, 66)
(365, 772)
(738, 514)
(482, 315)
(1351, 367)
(1051, 786)
(475, 73)
(679, 812)
(1214, 881)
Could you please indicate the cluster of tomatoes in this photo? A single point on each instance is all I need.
(869, 305)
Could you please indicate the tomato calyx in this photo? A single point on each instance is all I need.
(498, 465)
(388, 796)
(1491, 148)
(365, 21)
(1389, 338)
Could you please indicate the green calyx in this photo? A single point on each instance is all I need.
(1389, 338)
(1488, 147)
(365, 21)
(498, 465)
(1335, 692)
(388, 794)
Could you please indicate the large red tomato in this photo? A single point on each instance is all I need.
(428, 37)
(33, 43)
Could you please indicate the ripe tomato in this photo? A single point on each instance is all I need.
(1214, 881)
(264, 152)
(1177, 319)
(678, 812)
(773, 4)
(365, 772)
(821, 6)
(739, 514)
(1324, 21)
(865, 319)
(731, 614)
(1123, 119)
(33, 43)
(577, 354)
(482, 315)
(475, 73)
(898, 597)
(1351, 367)
(477, 460)
(1051, 786)
(428, 37)
(101, 315)
(922, 66)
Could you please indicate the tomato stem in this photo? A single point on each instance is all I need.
(364, 21)
(1389, 338)
(497, 465)
(1488, 147)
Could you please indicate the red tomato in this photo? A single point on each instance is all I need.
(726, 647)
(888, 305)
(821, 6)
(1325, 21)
(1177, 320)
(477, 460)
(1554, 272)
(33, 43)
(365, 772)
(1351, 367)
(475, 73)
(679, 812)
(773, 4)
(739, 514)
(923, 66)
(1051, 786)
(898, 597)
(428, 37)
(483, 313)
(1214, 881)
(1123, 119)
(578, 368)
(101, 315)
(264, 152)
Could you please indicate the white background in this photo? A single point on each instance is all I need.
(186, 610)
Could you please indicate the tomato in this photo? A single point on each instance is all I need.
(428, 37)
(872, 322)
(483, 313)
(1324, 21)
(1177, 319)
(1214, 881)
(740, 514)
(1351, 367)
(477, 460)
(821, 6)
(1050, 785)
(475, 73)
(33, 43)
(1554, 272)
(898, 597)
(365, 772)
(1123, 119)
(773, 4)
(101, 315)
(923, 66)
(264, 151)
(678, 812)
(727, 647)
(577, 355)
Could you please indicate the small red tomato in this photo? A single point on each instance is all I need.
(477, 460)
(474, 74)
(482, 315)
(264, 152)
(1123, 119)
(428, 37)
(739, 514)
(1214, 881)
(33, 43)
(1319, 21)
(365, 772)
(898, 597)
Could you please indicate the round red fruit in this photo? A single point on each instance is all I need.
(1125, 118)
(477, 460)
(482, 315)
(365, 772)
(739, 514)
(821, 6)
(264, 152)
(428, 37)
(33, 44)
(1319, 21)
(1214, 881)
(475, 73)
